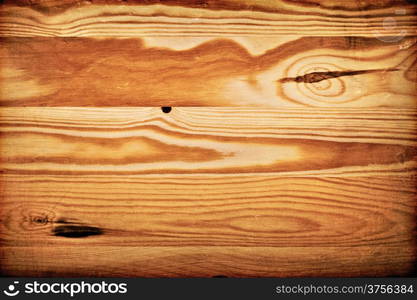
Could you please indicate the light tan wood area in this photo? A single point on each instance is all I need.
(288, 192)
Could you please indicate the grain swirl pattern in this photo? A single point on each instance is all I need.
(288, 72)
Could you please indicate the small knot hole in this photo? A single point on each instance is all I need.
(166, 109)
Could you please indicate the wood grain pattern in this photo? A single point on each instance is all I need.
(302, 72)
(188, 226)
(208, 18)
(287, 145)
(207, 220)
(241, 211)
(147, 141)
(179, 261)
(208, 226)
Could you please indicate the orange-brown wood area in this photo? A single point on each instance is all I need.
(305, 72)
(287, 145)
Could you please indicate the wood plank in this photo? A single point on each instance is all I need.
(188, 210)
(383, 18)
(177, 261)
(259, 72)
(298, 142)
(53, 6)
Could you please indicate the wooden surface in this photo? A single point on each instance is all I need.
(304, 72)
(287, 147)
(207, 18)
(208, 53)
(187, 185)
(190, 140)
